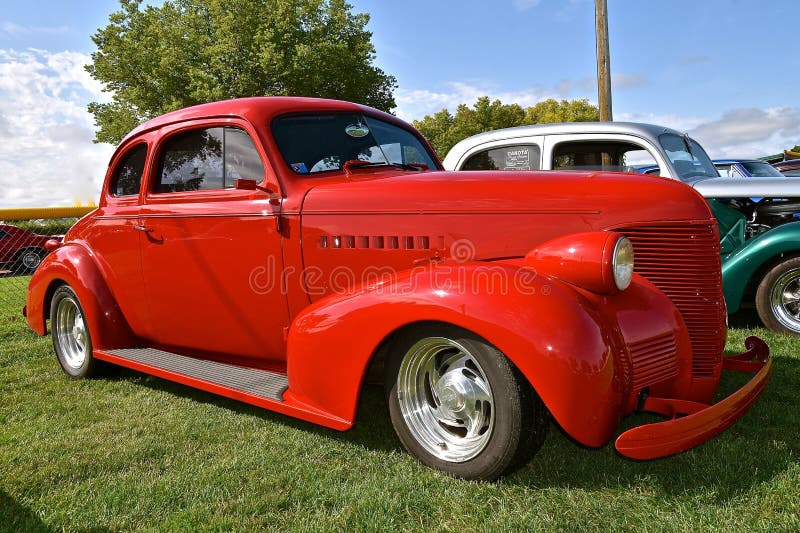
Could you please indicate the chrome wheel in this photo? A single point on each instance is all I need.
(69, 331)
(445, 399)
(31, 259)
(785, 299)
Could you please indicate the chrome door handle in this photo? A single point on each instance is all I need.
(140, 227)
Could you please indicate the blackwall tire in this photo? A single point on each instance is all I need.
(72, 340)
(778, 297)
(459, 405)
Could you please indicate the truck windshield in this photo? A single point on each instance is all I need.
(324, 142)
(688, 158)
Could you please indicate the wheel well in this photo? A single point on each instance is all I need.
(758, 275)
(48, 296)
(377, 364)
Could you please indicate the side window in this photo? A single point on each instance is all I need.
(517, 157)
(241, 157)
(128, 175)
(724, 170)
(207, 159)
(793, 172)
(619, 156)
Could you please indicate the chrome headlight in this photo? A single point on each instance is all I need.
(622, 263)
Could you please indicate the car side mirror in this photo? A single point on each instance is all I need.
(245, 184)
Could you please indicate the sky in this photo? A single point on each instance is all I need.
(726, 71)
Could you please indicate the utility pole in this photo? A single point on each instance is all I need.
(603, 60)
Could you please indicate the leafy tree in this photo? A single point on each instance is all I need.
(444, 129)
(158, 59)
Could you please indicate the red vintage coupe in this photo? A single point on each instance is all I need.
(284, 251)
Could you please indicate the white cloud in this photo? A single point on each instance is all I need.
(414, 104)
(522, 5)
(676, 122)
(752, 130)
(11, 28)
(46, 152)
(738, 133)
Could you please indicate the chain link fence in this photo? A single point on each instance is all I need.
(24, 243)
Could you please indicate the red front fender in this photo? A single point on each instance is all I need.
(74, 265)
(556, 336)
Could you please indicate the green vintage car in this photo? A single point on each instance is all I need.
(761, 258)
(758, 228)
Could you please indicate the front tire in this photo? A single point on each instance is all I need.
(71, 338)
(778, 297)
(459, 405)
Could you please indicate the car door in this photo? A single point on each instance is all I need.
(211, 253)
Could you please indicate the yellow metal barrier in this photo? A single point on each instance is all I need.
(28, 213)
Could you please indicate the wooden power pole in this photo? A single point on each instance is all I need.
(603, 60)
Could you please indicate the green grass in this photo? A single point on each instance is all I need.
(51, 226)
(130, 451)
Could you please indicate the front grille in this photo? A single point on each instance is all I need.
(683, 260)
(653, 360)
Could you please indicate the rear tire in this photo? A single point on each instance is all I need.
(70, 332)
(459, 405)
(778, 297)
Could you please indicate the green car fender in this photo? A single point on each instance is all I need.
(739, 266)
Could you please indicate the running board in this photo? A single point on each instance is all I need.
(269, 385)
(268, 390)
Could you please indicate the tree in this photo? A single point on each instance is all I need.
(186, 52)
(444, 130)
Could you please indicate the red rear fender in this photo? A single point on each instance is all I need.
(73, 265)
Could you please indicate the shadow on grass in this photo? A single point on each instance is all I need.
(16, 517)
(757, 448)
(745, 318)
(372, 429)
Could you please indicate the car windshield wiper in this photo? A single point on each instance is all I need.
(353, 164)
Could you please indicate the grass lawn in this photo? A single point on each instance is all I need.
(133, 452)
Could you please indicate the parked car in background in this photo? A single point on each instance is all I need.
(788, 168)
(760, 247)
(283, 251)
(746, 168)
(21, 251)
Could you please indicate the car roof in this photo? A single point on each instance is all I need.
(251, 108)
(647, 131)
(575, 127)
(787, 163)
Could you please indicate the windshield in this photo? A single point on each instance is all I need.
(325, 142)
(688, 158)
(761, 170)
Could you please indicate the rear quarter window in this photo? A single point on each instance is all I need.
(516, 157)
(128, 174)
